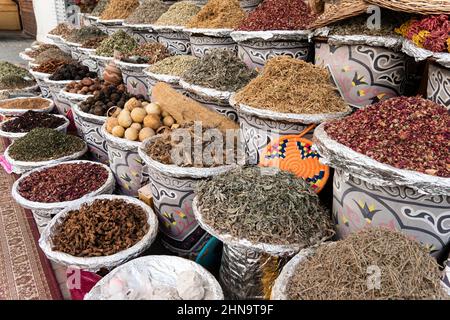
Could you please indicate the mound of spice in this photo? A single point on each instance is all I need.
(148, 12)
(150, 53)
(164, 147)
(62, 29)
(104, 99)
(100, 7)
(218, 14)
(263, 206)
(278, 15)
(14, 77)
(42, 47)
(179, 14)
(72, 71)
(33, 103)
(221, 70)
(49, 66)
(44, 144)
(53, 54)
(431, 33)
(339, 271)
(290, 85)
(31, 120)
(101, 228)
(93, 43)
(85, 33)
(405, 132)
(119, 9)
(173, 66)
(120, 41)
(64, 182)
(86, 86)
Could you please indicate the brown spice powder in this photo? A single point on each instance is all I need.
(218, 14)
(26, 104)
(290, 85)
(119, 9)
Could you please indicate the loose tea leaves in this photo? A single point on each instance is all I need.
(218, 14)
(119, 9)
(221, 70)
(290, 85)
(31, 120)
(53, 54)
(85, 33)
(44, 144)
(148, 12)
(179, 14)
(101, 228)
(406, 132)
(173, 66)
(14, 77)
(263, 206)
(64, 182)
(279, 15)
(340, 270)
(93, 43)
(119, 41)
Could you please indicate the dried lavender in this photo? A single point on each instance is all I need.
(263, 206)
(119, 41)
(221, 70)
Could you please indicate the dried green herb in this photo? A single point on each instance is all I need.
(44, 144)
(120, 41)
(173, 66)
(179, 14)
(14, 77)
(263, 206)
(148, 12)
(221, 70)
(100, 7)
(85, 33)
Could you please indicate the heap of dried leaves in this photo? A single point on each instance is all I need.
(263, 206)
(341, 270)
(101, 228)
(290, 85)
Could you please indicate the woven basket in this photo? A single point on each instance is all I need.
(341, 10)
(415, 6)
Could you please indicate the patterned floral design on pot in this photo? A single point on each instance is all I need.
(177, 43)
(358, 204)
(40, 79)
(255, 53)
(61, 102)
(101, 62)
(89, 128)
(85, 59)
(144, 36)
(134, 77)
(202, 44)
(363, 74)
(439, 85)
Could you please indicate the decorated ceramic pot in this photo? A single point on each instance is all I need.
(363, 74)
(102, 62)
(40, 79)
(358, 204)
(438, 89)
(74, 50)
(173, 193)
(215, 100)
(175, 39)
(125, 163)
(89, 128)
(142, 33)
(61, 102)
(134, 77)
(59, 42)
(86, 60)
(111, 26)
(204, 40)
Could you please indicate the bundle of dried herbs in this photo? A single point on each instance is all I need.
(62, 29)
(405, 132)
(290, 85)
(100, 7)
(148, 12)
(150, 53)
(64, 182)
(85, 33)
(43, 47)
(119, 41)
(178, 147)
(279, 15)
(221, 70)
(14, 77)
(119, 9)
(173, 66)
(101, 228)
(341, 270)
(218, 14)
(179, 14)
(44, 144)
(53, 54)
(93, 43)
(31, 120)
(263, 206)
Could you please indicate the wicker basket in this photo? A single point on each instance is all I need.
(340, 10)
(415, 6)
